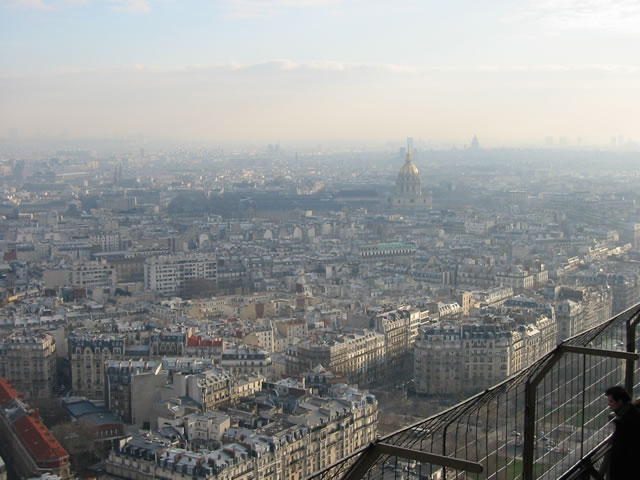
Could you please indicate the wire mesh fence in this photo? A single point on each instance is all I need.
(537, 424)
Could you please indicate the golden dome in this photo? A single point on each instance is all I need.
(409, 168)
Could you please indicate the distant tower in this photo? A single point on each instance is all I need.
(117, 174)
(475, 144)
(408, 193)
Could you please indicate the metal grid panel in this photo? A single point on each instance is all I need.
(570, 413)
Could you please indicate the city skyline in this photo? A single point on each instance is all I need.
(317, 239)
(226, 303)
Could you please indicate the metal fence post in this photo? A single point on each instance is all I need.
(530, 398)
(444, 450)
(528, 445)
(632, 324)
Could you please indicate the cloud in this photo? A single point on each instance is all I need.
(616, 16)
(140, 6)
(284, 99)
(276, 65)
(318, 65)
(340, 67)
(131, 5)
(285, 65)
(27, 4)
(264, 8)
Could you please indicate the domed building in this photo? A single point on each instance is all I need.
(408, 195)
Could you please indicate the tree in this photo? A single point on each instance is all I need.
(77, 440)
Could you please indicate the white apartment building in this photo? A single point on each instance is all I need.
(201, 308)
(262, 338)
(211, 388)
(321, 432)
(93, 275)
(358, 356)
(29, 363)
(169, 274)
(245, 359)
(517, 278)
(204, 427)
(400, 329)
(455, 359)
(108, 242)
(88, 355)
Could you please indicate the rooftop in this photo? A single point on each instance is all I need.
(7, 392)
(37, 438)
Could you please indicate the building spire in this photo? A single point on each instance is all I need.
(409, 149)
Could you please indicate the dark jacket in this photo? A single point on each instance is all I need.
(625, 443)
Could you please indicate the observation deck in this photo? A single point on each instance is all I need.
(549, 421)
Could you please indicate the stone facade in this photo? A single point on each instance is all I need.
(29, 363)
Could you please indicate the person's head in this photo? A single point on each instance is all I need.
(616, 397)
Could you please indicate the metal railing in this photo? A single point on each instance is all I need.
(593, 466)
(541, 423)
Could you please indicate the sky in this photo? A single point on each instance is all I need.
(282, 71)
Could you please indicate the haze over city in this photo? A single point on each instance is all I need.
(319, 239)
(352, 72)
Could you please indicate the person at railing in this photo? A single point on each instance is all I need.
(625, 441)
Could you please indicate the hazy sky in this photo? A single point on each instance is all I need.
(286, 70)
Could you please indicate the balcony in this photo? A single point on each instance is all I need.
(549, 421)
